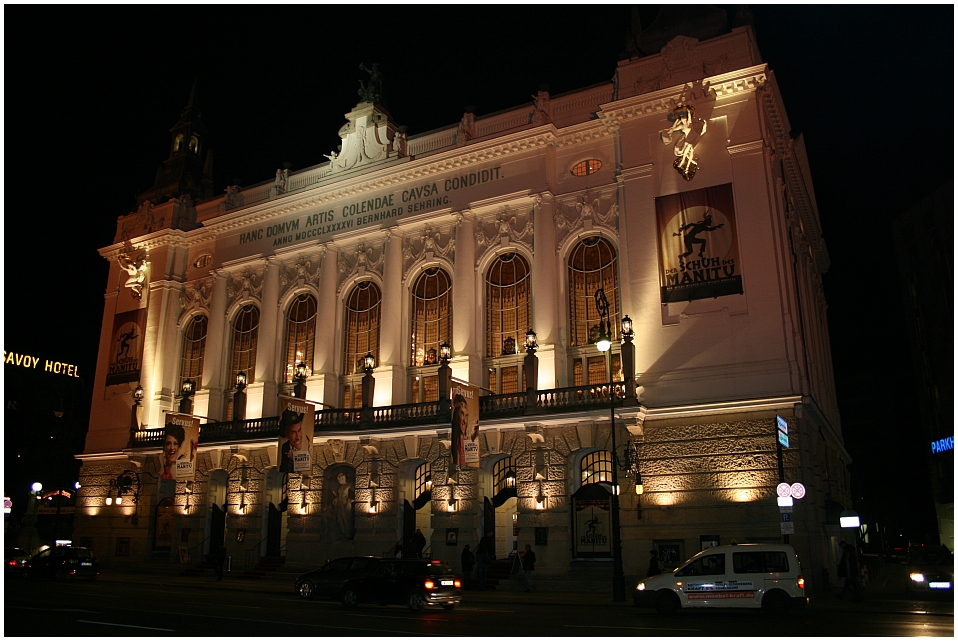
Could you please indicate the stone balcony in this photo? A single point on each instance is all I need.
(371, 420)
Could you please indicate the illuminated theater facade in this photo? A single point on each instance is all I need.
(374, 281)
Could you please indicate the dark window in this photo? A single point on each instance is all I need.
(338, 565)
(300, 334)
(362, 564)
(194, 346)
(414, 569)
(775, 561)
(362, 327)
(709, 565)
(123, 546)
(185, 535)
(542, 536)
(747, 562)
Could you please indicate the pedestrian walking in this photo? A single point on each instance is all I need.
(485, 555)
(419, 543)
(528, 565)
(850, 571)
(653, 564)
(219, 558)
(468, 561)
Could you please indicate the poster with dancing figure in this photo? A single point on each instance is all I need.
(698, 245)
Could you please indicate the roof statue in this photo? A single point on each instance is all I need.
(372, 92)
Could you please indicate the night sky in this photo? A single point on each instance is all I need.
(91, 93)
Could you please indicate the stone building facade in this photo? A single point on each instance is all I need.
(468, 237)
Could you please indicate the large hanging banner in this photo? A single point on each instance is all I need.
(181, 437)
(465, 424)
(698, 245)
(592, 520)
(127, 347)
(295, 434)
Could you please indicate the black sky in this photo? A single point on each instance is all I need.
(91, 92)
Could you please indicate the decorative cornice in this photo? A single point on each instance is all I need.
(755, 145)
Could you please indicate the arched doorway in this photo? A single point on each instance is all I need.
(274, 519)
(500, 506)
(592, 507)
(215, 533)
(415, 493)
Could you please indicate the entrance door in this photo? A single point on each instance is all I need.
(274, 531)
(408, 530)
(489, 517)
(217, 527)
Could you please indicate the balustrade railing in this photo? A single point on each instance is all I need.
(552, 401)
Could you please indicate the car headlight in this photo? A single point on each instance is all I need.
(917, 577)
(640, 586)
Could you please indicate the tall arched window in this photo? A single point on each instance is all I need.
(243, 352)
(362, 335)
(431, 315)
(593, 264)
(300, 334)
(508, 317)
(194, 347)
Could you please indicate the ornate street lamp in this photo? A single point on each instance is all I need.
(299, 380)
(186, 397)
(239, 398)
(604, 343)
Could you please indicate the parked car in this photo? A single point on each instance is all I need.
(729, 576)
(415, 583)
(931, 569)
(14, 559)
(63, 562)
(327, 581)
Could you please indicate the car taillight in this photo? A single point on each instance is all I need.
(430, 585)
(12, 562)
(801, 582)
(457, 583)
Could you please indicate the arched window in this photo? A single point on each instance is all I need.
(507, 304)
(177, 142)
(597, 467)
(508, 317)
(300, 334)
(503, 476)
(362, 336)
(423, 481)
(194, 347)
(243, 352)
(194, 145)
(431, 315)
(593, 264)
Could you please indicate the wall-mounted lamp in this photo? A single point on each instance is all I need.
(429, 483)
(445, 351)
(511, 478)
(639, 487)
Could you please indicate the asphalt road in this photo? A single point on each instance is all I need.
(202, 607)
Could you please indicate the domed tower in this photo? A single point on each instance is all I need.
(188, 170)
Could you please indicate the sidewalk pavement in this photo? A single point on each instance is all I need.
(878, 598)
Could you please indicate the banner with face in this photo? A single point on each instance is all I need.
(465, 425)
(698, 245)
(181, 437)
(295, 434)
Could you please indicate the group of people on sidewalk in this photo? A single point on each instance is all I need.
(850, 570)
(485, 554)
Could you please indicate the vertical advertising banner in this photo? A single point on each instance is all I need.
(127, 347)
(698, 245)
(181, 437)
(295, 434)
(592, 520)
(465, 425)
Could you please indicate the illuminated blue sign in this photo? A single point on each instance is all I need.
(944, 445)
(782, 424)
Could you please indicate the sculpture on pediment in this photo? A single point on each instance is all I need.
(281, 181)
(466, 129)
(372, 92)
(542, 110)
(136, 270)
(234, 197)
(399, 144)
(683, 123)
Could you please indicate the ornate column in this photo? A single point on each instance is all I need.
(269, 340)
(217, 335)
(390, 375)
(326, 343)
(545, 303)
(466, 328)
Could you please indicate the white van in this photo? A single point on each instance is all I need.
(729, 576)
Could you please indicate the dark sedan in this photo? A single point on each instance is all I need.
(327, 581)
(14, 559)
(63, 562)
(415, 583)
